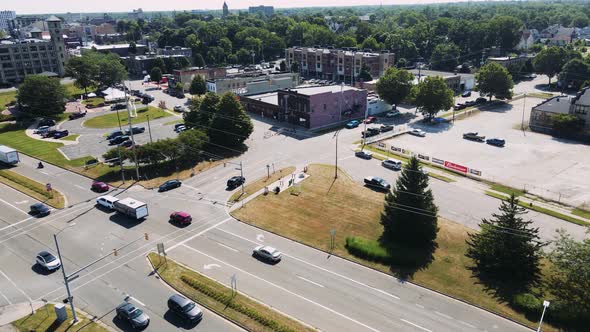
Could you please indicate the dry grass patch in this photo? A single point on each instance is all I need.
(253, 187)
(32, 188)
(44, 319)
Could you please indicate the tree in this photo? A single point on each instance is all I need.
(110, 70)
(231, 126)
(243, 57)
(295, 67)
(132, 47)
(182, 63)
(198, 60)
(432, 95)
(83, 70)
(549, 61)
(506, 252)
(445, 57)
(574, 73)
(192, 143)
(41, 96)
(364, 74)
(198, 86)
(371, 44)
(566, 125)
(202, 111)
(409, 216)
(494, 80)
(158, 63)
(156, 75)
(283, 66)
(505, 31)
(395, 85)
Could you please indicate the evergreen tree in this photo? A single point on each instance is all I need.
(365, 75)
(409, 218)
(231, 126)
(198, 86)
(506, 252)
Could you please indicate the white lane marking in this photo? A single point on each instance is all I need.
(443, 315)
(283, 289)
(341, 159)
(419, 306)
(21, 202)
(16, 223)
(136, 300)
(260, 237)
(44, 173)
(15, 286)
(311, 282)
(199, 234)
(415, 325)
(78, 186)
(4, 296)
(228, 247)
(12, 206)
(320, 268)
(210, 266)
(467, 324)
(190, 187)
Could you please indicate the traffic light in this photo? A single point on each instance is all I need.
(146, 236)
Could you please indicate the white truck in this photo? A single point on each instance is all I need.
(131, 207)
(8, 155)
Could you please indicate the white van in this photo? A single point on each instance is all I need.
(107, 201)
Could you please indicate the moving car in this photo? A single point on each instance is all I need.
(181, 218)
(352, 124)
(392, 114)
(370, 132)
(178, 108)
(134, 130)
(48, 261)
(473, 136)
(268, 253)
(107, 201)
(466, 94)
(77, 115)
(377, 183)
(170, 184)
(385, 128)
(393, 164)
(185, 308)
(417, 132)
(364, 154)
(496, 141)
(235, 181)
(114, 134)
(370, 119)
(128, 312)
(99, 186)
(118, 140)
(60, 133)
(39, 210)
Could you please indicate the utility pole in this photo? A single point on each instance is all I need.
(66, 281)
(340, 103)
(242, 175)
(267, 171)
(523, 109)
(336, 159)
(121, 164)
(149, 128)
(365, 131)
(131, 132)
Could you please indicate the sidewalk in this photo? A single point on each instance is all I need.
(13, 312)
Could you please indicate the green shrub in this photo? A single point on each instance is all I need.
(527, 303)
(367, 249)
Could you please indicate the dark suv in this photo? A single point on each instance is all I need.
(114, 134)
(184, 308)
(118, 140)
(235, 181)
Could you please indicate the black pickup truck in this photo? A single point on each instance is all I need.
(474, 137)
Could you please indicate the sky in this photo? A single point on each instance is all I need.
(100, 6)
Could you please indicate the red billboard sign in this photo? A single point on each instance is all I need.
(455, 167)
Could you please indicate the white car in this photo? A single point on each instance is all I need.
(41, 130)
(107, 201)
(392, 164)
(268, 253)
(417, 132)
(48, 261)
(180, 129)
(178, 108)
(392, 114)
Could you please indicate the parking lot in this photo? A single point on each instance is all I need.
(542, 164)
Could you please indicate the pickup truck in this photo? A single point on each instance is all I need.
(370, 132)
(377, 183)
(474, 137)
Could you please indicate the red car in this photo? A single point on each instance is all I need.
(99, 186)
(181, 218)
(370, 119)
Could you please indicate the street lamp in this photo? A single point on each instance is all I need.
(70, 298)
(545, 306)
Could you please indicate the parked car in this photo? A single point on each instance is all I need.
(99, 186)
(459, 106)
(466, 94)
(235, 181)
(107, 201)
(60, 133)
(134, 130)
(352, 124)
(77, 115)
(370, 132)
(473, 136)
(496, 141)
(377, 183)
(393, 164)
(39, 210)
(385, 128)
(181, 218)
(41, 130)
(178, 108)
(178, 125)
(115, 107)
(184, 308)
(417, 132)
(470, 103)
(392, 114)
(114, 134)
(134, 316)
(118, 140)
(46, 123)
(364, 154)
(170, 184)
(268, 253)
(180, 128)
(48, 261)
(481, 100)
(49, 133)
(126, 144)
(370, 119)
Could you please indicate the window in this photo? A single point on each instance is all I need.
(340, 67)
(325, 107)
(318, 58)
(385, 61)
(318, 65)
(339, 60)
(581, 109)
(358, 62)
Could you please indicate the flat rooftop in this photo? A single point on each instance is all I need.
(269, 98)
(110, 47)
(309, 91)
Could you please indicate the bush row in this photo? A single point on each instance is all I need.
(558, 312)
(227, 300)
(367, 249)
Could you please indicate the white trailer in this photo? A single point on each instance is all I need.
(8, 155)
(132, 208)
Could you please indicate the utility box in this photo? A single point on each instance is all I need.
(60, 312)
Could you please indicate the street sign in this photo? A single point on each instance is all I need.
(546, 303)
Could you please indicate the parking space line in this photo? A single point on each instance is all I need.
(12, 206)
(467, 324)
(443, 315)
(415, 325)
(311, 282)
(284, 289)
(136, 300)
(15, 286)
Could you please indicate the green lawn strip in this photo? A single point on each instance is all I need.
(441, 177)
(93, 102)
(507, 190)
(581, 213)
(542, 210)
(72, 137)
(248, 313)
(110, 120)
(73, 90)
(173, 122)
(6, 98)
(44, 319)
(253, 187)
(32, 188)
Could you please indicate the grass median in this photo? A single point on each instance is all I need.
(44, 319)
(352, 210)
(72, 137)
(32, 188)
(243, 310)
(111, 121)
(253, 187)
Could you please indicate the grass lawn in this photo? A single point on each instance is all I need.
(173, 122)
(110, 120)
(582, 213)
(253, 187)
(32, 188)
(6, 97)
(72, 137)
(44, 319)
(507, 190)
(73, 90)
(172, 272)
(93, 101)
(353, 210)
